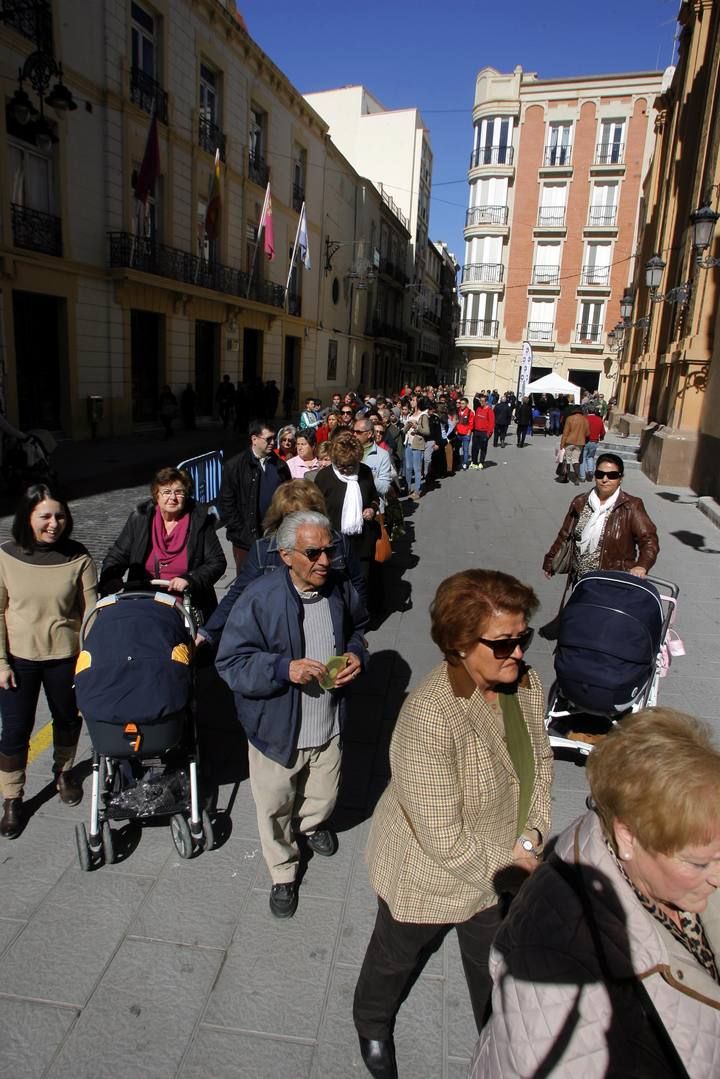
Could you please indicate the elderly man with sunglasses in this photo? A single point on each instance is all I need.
(275, 655)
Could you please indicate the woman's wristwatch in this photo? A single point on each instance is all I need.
(527, 844)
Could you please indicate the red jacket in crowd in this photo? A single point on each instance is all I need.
(484, 419)
(597, 427)
(466, 421)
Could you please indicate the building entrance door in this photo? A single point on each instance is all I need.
(145, 362)
(291, 375)
(40, 359)
(586, 380)
(207, 365)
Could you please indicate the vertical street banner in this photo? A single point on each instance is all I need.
(525, 369)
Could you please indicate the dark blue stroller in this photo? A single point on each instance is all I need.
(134, 684)
(611, 653)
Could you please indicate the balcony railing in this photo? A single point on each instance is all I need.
(610, 153)
(147, 94)
(479, 327)
(540, 331)
(258, 171)
(486, 215)
(588, 333)
(602, 216)
(36, 231)
(386, 329)
(551, 217)
(298, 197)
(491, 155)
(32, 20)
(391, 269)
(392, 205)
(597, 276)
(557, 157)
(139, 253)
(546, 275)
(210, 137)
(488, 272)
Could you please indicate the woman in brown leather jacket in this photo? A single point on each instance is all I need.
(608, 529)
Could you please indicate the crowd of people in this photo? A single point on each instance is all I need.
(608, 947)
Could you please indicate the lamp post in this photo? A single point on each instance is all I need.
(703, 221)
(654, 268)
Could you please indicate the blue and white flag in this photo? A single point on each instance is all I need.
(303, 242)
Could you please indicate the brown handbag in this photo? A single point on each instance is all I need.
(383, 546)
(563, 559)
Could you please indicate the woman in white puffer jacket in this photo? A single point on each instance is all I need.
(607, 964)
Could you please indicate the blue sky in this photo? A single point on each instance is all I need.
(427, 54)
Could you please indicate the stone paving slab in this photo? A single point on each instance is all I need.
(156, 967)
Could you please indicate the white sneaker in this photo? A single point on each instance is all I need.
(481, 465)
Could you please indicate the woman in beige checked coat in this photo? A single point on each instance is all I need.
(467, 809)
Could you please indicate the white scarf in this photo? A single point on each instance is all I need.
(593, 530)
(352, 518)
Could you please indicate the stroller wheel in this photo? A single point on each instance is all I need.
(108, 845)
(207, 828)
(83, 849)
(180, 832)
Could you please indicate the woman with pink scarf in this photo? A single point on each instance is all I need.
(168, 537)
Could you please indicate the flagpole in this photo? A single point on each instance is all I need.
(294, 252)
(261, 226)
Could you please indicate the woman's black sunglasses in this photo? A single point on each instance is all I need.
(503, 647)
(608, 475)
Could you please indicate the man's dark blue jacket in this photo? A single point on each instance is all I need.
(263, 634)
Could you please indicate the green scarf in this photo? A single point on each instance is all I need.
(517, 739)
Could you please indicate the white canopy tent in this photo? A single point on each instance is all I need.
(555, 385)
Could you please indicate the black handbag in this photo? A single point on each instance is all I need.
(562, 561)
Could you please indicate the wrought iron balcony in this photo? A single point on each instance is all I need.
(491, 155)
(551, 217)
(595, 276)
(486, 215)
(294, 304)
(557, 157)
(36, 231)
(298, 197)
(393, 206)
(258, 171)
(540, 331)
(602, 216)
(210, 137)
(147, 94)
(588, 333)
(479, 327)
(479, 272)
(610, 153)
(31, 19)
(386, 329)
(139, 253)
(546, 275)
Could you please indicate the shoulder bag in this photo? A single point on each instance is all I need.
(383, 547)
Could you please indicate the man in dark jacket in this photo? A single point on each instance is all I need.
(503, 415)
(275, 655)
(249, 481)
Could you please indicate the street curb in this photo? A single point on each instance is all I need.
(709, 506)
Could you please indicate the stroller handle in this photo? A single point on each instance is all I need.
(154, 597)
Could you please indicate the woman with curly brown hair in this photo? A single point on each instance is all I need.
(350, 497)
(467, 809)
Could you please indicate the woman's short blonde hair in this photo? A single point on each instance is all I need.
(291, 497)
(658, 773)
(345, 451)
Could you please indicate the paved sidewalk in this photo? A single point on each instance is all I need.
(166, 969)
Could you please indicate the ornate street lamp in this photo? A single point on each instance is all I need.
(653, 272)
(703, 221)
(626, 305)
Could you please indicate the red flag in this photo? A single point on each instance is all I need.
(266, 222)
(149, 172)
(212, 214)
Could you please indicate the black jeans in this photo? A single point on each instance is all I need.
(479, 446)
(18, 706)
(396, 955)
(500, 434)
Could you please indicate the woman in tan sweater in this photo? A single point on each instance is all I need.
(47, 581)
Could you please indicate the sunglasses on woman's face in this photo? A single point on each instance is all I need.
(608, 475)
(503, 647)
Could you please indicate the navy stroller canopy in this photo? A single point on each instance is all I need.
(135, 663)
(609, 638)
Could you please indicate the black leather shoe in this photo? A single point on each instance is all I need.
(11, 822)
(283, 900)
(69, 789)
(323, 842)
(379, 1057)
